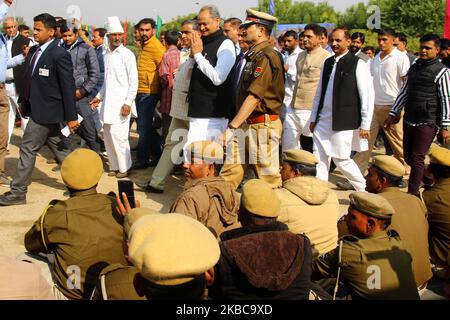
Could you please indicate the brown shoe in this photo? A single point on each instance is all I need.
(121, 175)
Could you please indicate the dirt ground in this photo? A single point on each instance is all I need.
(46, 185)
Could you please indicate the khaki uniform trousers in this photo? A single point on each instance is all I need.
(4, 135)
(394, 135)
(170, 153)
(256, 146)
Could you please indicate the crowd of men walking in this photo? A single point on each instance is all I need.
(240, 115)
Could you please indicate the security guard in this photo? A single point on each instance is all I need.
(372, 262)
(117, 281)
(259, 100)
(84, 232)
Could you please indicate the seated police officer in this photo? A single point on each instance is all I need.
(371, 261)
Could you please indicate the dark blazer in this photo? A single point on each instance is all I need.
(52, 97)
(19, 71)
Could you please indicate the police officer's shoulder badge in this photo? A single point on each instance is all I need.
(258, 72)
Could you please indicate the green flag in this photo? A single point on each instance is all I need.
(158, 26)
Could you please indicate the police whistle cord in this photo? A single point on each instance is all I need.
(339, 270)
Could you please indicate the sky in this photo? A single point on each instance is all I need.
(95, 12)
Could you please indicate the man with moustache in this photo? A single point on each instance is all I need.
(210, 92)
(207, 198)
(342, 111)
(48, 99)
(296, 134)
(117, 96)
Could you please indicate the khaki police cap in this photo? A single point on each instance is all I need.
(259, 17)
(134, 215)
(389, 165)
(300, 157)
(82, 169)
(170, 249)
(439, 155)
(205, 150)
(372, 205)
(259, 199)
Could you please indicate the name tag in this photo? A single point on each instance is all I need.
(44, 72)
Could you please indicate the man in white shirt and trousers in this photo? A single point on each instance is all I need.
(210, 93)
(342, 111)
(116, 96)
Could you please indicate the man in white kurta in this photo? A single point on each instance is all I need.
(337, 145)
(116, 96)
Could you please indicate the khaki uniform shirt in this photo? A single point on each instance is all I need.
(116, 282)
(437, 200)
(85, 234)
(411, 224)
(211, 201)
(309, 206)
(374, 268)
(263, 76)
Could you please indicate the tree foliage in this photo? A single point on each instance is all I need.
(413, 17)
(176, 22)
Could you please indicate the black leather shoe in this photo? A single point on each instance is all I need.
(147, 188)
(153, 163)
(9, 199)
(139, 166)
(345, 185)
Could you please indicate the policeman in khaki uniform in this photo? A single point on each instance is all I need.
(308, 205)
(84, 233)
(117, 281)
(259, 99)
(175, 256)
(437, 200)
(372, 262)
(410, 218)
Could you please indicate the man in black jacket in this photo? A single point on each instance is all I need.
(426, 98)
(48, 99)
(263, 259)
(86, 71)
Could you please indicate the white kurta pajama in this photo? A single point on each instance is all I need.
(337, 145)
(120, 87)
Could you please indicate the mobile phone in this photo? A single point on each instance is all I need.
(127, 187)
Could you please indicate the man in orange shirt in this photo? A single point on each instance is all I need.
(149, 91)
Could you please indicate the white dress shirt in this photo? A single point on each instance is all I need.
(387, 74)
(291, 75)
(226, 56)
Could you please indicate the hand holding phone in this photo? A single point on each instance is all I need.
(126, 186)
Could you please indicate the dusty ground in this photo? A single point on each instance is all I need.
(46, 185)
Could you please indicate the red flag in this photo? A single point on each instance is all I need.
(125, 33)
(447, 21)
